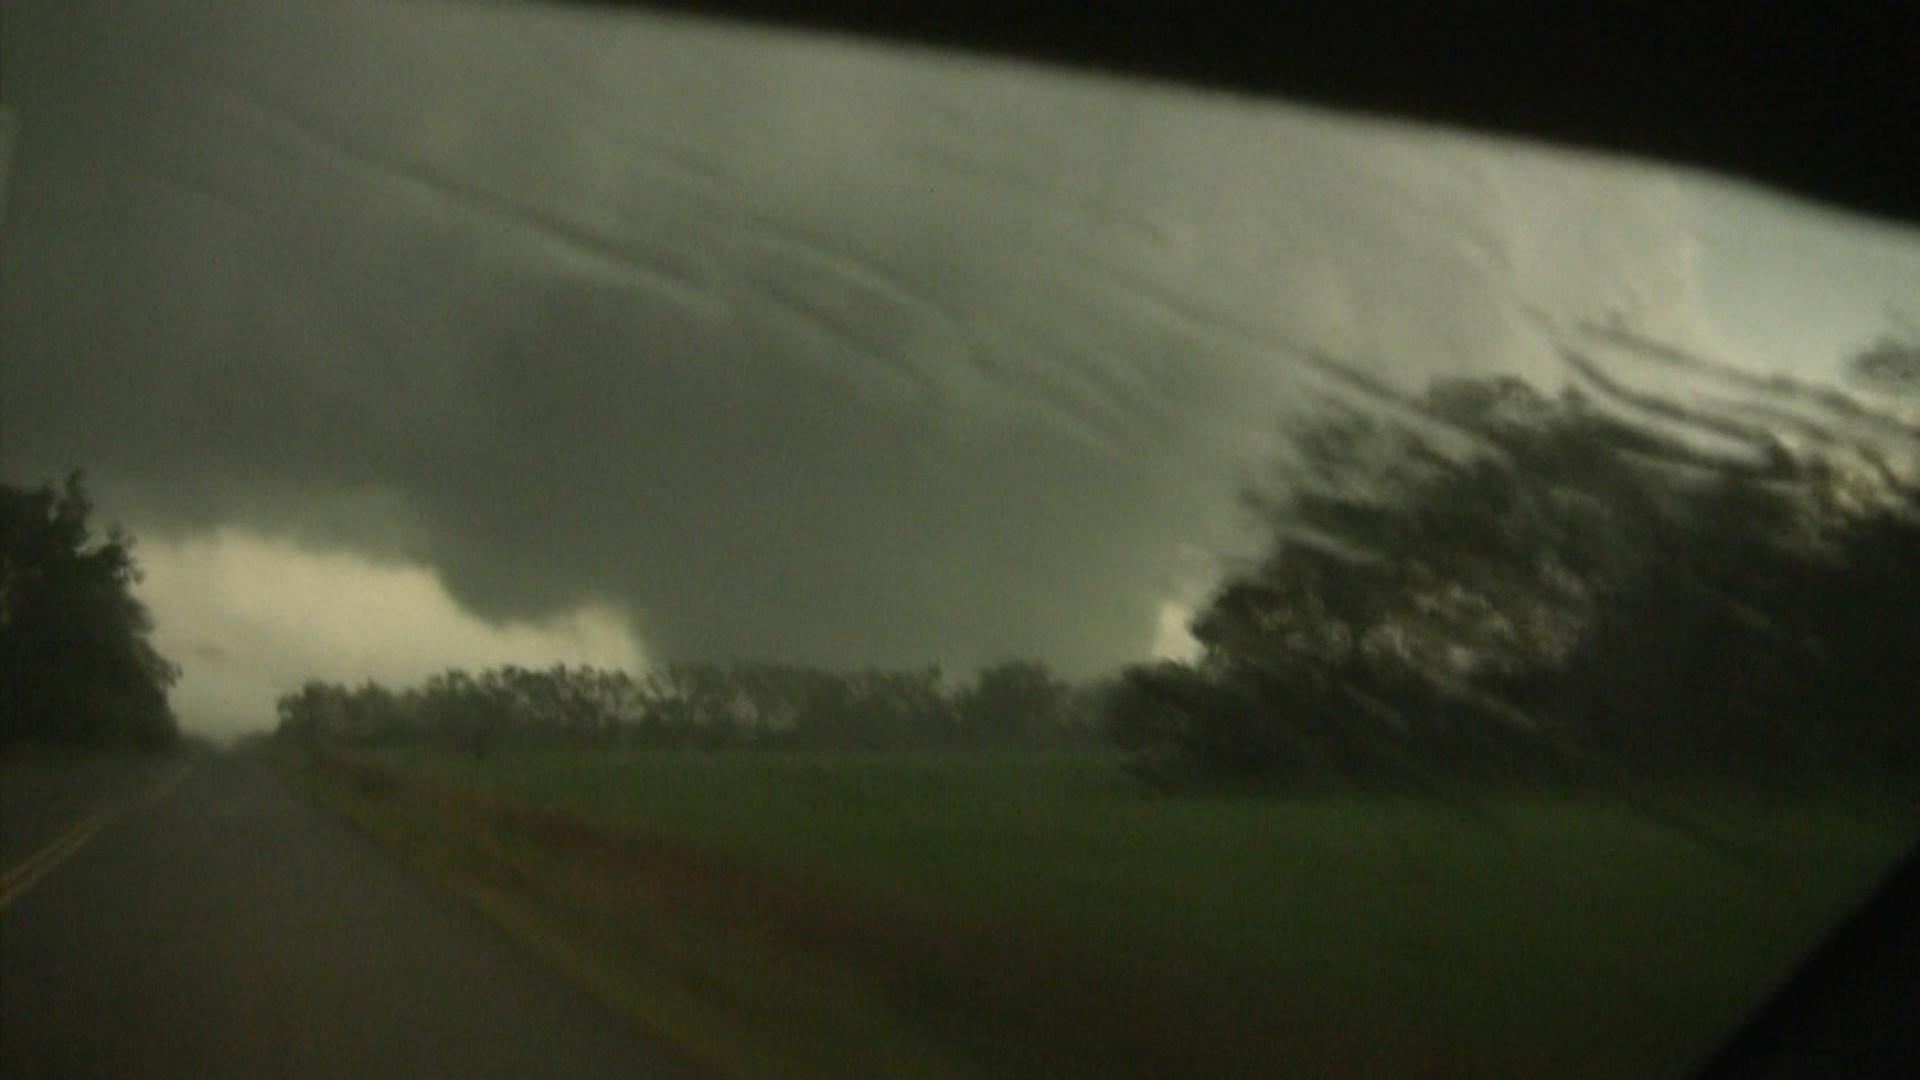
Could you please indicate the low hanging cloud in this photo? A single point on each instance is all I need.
(771, 346)
(269, 615)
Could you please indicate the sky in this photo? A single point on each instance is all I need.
(405, 335)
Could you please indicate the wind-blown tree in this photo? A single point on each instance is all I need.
(76, 665)
(1776, 637)
(1501, 584)
(1420, 565)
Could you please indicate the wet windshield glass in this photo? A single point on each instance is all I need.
(1540, 522)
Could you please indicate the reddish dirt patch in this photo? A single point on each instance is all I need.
(980, 982)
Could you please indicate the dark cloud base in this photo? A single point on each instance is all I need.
(793, 352)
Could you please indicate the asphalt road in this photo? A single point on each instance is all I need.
(195, 918)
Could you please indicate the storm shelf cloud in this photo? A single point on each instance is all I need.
(638, 338)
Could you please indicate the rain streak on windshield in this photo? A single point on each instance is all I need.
(1290, 566)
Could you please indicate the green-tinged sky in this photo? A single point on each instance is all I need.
(407, 334)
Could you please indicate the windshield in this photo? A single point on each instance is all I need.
(1270, 590)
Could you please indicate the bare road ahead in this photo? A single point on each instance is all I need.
(201, 920)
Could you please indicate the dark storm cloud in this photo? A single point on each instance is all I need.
(793, 349)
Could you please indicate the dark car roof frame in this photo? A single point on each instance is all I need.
(1817, 101)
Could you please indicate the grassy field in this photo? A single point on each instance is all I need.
(1043, 915)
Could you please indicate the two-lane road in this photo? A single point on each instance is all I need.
(219, 926)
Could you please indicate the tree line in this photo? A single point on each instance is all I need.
(1496, 584)
(705, 705)
(76, 662)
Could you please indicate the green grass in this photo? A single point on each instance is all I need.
(793, 914)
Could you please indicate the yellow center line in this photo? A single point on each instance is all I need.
(16, 880)
(20, 878)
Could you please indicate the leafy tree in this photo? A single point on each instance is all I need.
(1175, 721)
(1416, 567)
(1012, 701)
(1781, 630)
(1509, 585)
(316, 712)
(76, 664)
(689, 704)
